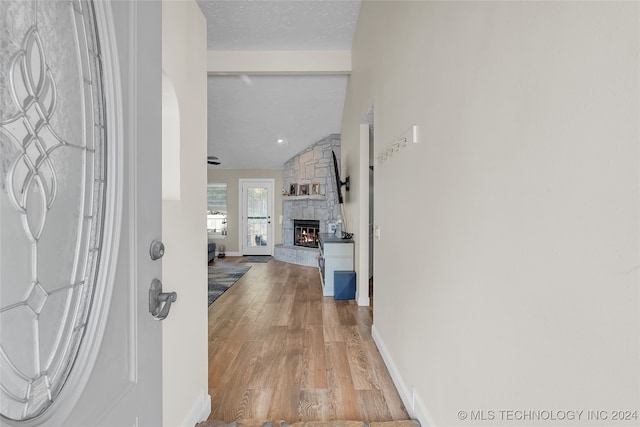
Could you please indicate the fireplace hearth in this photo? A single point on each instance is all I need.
(306, 232)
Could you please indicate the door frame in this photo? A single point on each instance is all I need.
(270, 183)
(363, 229)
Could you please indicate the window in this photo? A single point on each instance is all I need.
(217, 209)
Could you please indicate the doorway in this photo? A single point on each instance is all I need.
(256, 213)
(370, 150)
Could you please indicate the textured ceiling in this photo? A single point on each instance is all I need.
(247, 114)
(280, 24)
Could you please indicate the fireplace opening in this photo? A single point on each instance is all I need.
(306, 232)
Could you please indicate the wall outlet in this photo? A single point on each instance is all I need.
(376, 232)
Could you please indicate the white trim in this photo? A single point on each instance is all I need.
(403, 390)
(216, 236)
(364, 301)
(420, 411)
(362, 243)
(171, 143)
(200, 411)
(412, 402)
(279, 62)
(232, 253)
(133, 181)
(271, 183)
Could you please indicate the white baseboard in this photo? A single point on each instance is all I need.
(420, 411)
(410, 398)
(405, 393)
(364, 301)
(232, 253)
(200, 411)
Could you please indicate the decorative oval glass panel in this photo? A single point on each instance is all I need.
(52, 195)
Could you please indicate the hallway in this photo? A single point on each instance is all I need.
(279, 350)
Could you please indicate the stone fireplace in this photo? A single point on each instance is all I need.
(311, 167)
(306, 232)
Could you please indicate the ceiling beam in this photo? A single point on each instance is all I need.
(279, 62)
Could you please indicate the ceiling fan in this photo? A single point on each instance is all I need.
(213, 160)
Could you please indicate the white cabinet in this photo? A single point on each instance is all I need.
(335, 255)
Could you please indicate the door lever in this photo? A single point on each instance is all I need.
(160, 302)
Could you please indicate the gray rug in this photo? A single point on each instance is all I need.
(256, 258)
(222, 278)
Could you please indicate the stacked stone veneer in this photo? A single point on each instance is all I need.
(313, 165)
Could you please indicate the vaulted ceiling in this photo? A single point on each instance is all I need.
(278, 70)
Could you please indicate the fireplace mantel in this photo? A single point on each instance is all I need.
(299, 198)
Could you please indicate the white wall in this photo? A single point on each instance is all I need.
(185, 362)
(232, 178)
(507, 273)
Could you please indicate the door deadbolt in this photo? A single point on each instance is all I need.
(156, 250)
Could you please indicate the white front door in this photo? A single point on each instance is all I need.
(80, 203)
(256, 216)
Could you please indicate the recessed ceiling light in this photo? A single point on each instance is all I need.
(281, 141)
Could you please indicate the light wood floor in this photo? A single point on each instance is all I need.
(279, 350)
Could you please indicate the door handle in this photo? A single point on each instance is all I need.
(160, 302)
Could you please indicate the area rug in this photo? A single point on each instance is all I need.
(222, 278)
(256, 258)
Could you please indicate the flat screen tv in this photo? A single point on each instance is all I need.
(339, 183)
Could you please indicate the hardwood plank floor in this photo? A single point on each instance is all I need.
(279, 350)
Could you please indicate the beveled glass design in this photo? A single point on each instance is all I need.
(52, 195)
